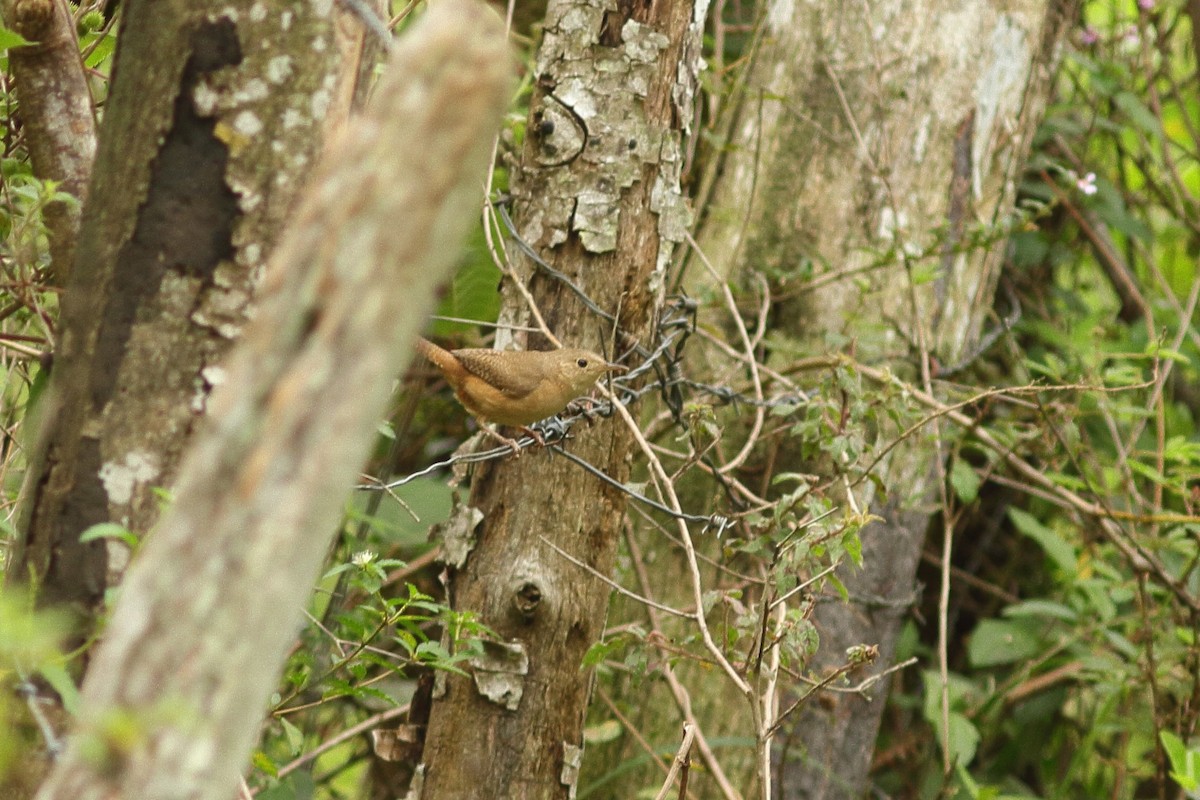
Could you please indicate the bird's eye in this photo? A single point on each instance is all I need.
(581, 363)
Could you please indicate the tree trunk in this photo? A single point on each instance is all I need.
(872, 149)
(861, 151)
(597, 196)
(213, 123)
(171, 705)
(56, 113)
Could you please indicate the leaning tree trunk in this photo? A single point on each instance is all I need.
(873, 148)
(213, 123)
(172, 705)
(597, 197)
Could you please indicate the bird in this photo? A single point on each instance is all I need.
(516, 387)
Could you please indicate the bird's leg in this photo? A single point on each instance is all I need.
(537, 437)
(516, 448)
(585, 406)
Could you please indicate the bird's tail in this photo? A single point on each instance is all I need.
(440, 357)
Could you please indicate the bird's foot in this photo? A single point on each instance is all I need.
(504, 440)
(584, 406)
(537, 437)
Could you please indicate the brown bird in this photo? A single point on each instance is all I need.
(517, 387)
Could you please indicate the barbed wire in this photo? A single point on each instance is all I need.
(501, 207)
(370, 20)
(675, 324)
(556, 430)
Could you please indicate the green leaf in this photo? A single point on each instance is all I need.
(110, 530)
(1180, 448)
(852, 544)
(1057, 548)
(263, 763)
(1185, 763)
(1122, 375)
(964, 480)
(1147, 471)
(103, 49)
(1137, 112)
(996, 642)
(925, 273)
(1176, 750)
(338, 570)
(1112, 210)
(963, 739)
(28, 638)
(55, 674)
(1095, 598)
(431, 651)
(473, 293)
(798, 478)
(296, 786)
(294, 736)
(10, 39)
(1042, 608)
(1158, 350)
(599, 652)
(1053, 366)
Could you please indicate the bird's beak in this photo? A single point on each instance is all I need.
(615, 367)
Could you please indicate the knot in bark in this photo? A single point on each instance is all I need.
(31, 18)
(527, 598)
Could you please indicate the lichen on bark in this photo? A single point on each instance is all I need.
(593, 108)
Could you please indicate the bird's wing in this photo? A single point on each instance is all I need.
(502, 370)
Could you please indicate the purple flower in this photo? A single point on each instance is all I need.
(1089, 36)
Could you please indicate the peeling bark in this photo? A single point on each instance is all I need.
(171, 706)
(214, 121)
(596, 196)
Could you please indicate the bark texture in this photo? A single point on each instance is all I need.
(865, 149)
(214, 122)
(56, 114)
(171, 704)
(597, 197)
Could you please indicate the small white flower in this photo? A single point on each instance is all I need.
(362, 558)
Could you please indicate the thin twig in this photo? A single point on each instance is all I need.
(362, 727)
(680, 762)
(682, 699)
(751, 361)
(616, 587)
